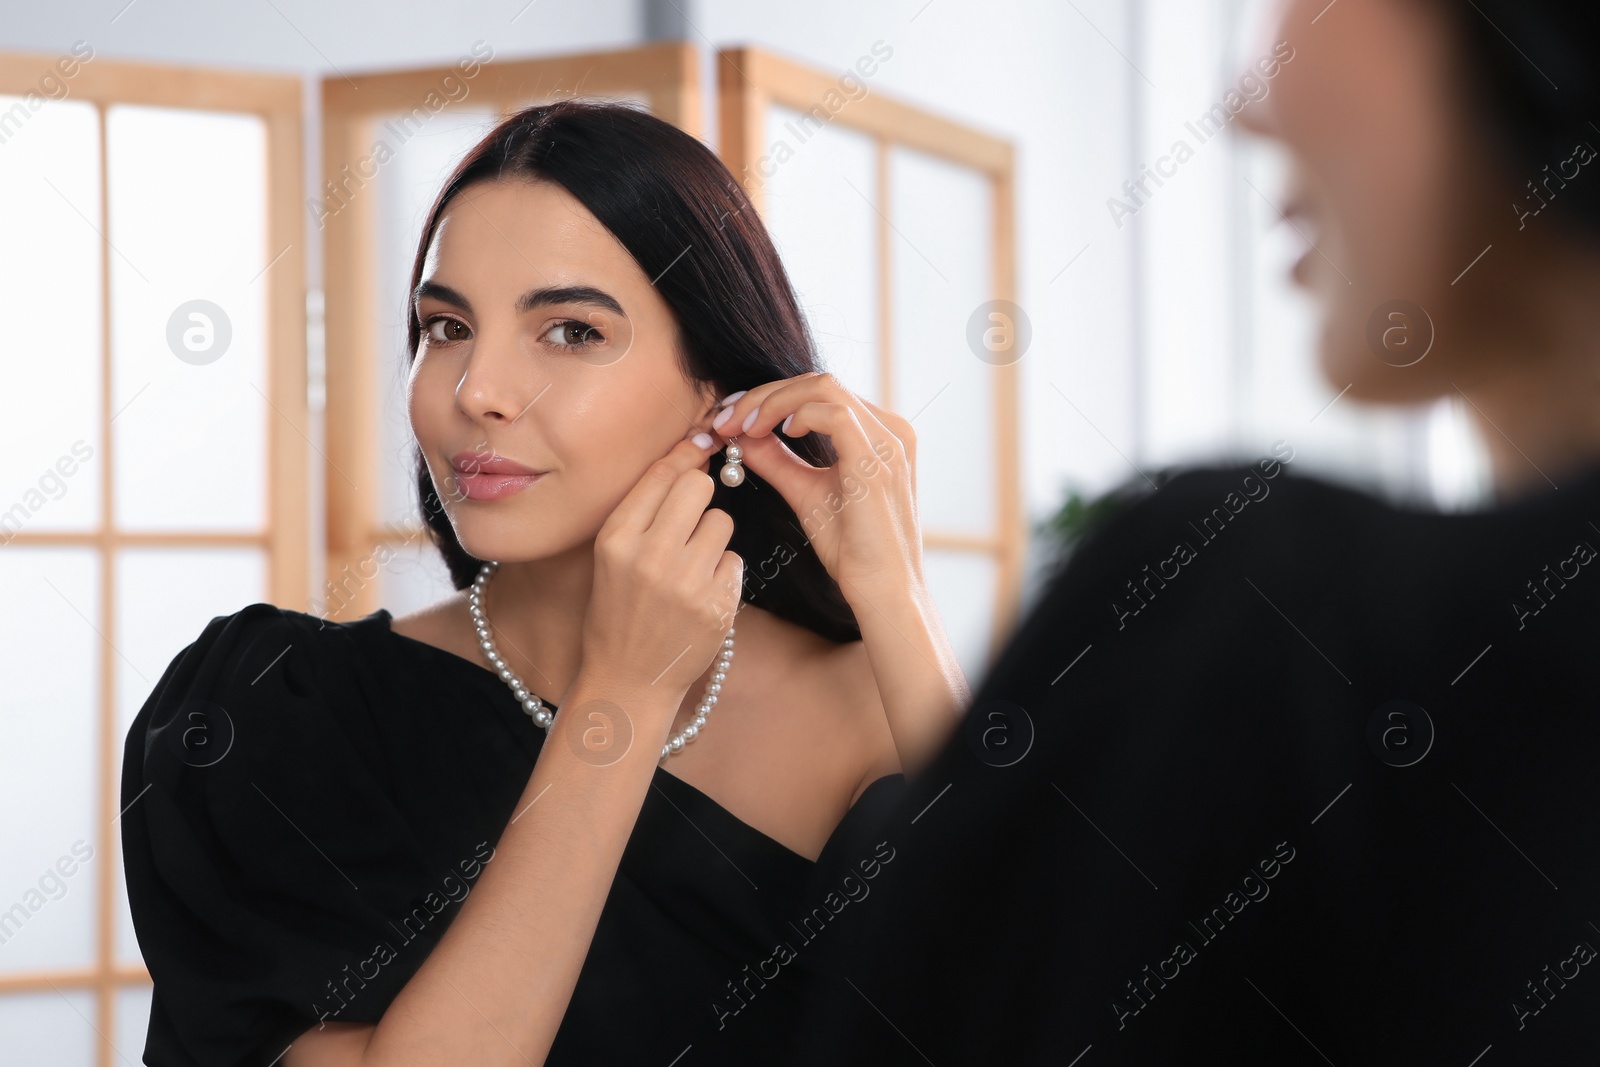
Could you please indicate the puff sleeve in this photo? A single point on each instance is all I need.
(274, 880)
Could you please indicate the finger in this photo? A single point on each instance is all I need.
(874, 443)
(898, 425)
(639, 508)
(729, 582)
(838, 422)
(774, 460)
(709, 540)
(778, 400)
(685, 505)
(889, 437)
(729, 421)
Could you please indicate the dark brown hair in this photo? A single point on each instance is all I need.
(683, 217)
(1532, 70)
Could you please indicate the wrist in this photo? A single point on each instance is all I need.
(888, 589)
(598, 688)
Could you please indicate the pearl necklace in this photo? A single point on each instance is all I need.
(534, 707)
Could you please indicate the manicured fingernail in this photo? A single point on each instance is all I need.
(716, 423)
(786, 423)
(702, 439)
(731, 397)
(750, 419)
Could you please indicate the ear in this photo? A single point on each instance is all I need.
(709, 397)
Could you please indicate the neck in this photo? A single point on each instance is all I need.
(537, 610)
(1535, 390)
(1539, 433)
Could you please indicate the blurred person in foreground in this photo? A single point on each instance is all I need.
(1275, 771)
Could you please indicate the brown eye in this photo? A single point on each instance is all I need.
(573, 334)
(444, 331)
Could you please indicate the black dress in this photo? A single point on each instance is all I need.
(308, 803)
(1272, 773)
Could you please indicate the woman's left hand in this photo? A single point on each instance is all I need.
(859, 515)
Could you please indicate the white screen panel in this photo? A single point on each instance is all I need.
(821, 188)
(190, 382)
(54, 1028)
(941, 260)
(963, 586)
(49, 756)
(50, 281)
(132, 1021)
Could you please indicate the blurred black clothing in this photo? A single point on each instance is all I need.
(1272, 772)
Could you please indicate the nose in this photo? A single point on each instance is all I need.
(1260, 116)
(1257, 118)
(497, 386)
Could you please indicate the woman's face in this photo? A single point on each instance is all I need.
(1392, 186)
(544, 348)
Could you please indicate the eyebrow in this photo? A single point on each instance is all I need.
(528, 301)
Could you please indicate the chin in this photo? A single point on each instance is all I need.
(1342, 356)
(1352, 352)
(1345, 361)
(500, 538)
(508, 536)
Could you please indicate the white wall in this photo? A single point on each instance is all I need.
(290, 35)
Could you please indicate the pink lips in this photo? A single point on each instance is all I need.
(1296, 213)
(488, 476)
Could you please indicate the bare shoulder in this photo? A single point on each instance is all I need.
(811, 734)
(835, 694)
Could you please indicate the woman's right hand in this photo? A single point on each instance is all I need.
(666, 587)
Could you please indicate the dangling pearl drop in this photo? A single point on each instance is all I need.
(733, 471)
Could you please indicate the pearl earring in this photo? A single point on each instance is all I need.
(733, 472)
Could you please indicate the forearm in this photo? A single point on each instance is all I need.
(921, 684)
(495, 988)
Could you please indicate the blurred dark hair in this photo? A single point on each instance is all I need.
(683, 217)
(1531, 65)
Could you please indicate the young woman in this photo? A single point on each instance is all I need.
(553, 818)
(1315, 778)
